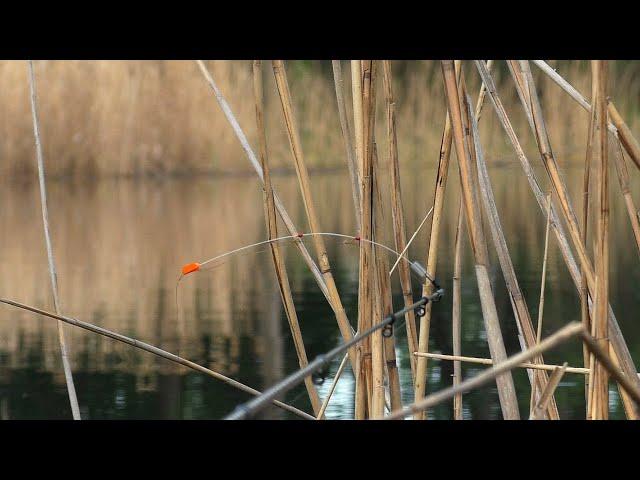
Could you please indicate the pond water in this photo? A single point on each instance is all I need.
(119, 247)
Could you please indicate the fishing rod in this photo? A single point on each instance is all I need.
(248, 409)
(156, 351)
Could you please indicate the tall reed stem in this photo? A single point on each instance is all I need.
(305, 188)
(383, 296)
(506, 388)
(456, 316)
(420, 380)
(272, 228)
(71, 389)
(600, 378)
(397, 210)
(543, 281)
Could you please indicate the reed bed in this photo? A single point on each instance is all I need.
(381, 213)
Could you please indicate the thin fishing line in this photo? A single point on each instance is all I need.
(197, 266)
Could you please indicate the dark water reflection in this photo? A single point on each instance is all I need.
(120, 245)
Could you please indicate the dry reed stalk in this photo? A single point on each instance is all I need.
(529, 98)
(305, 189)
(501, 368)
(623, 179)
(456, 316)
(362, 395)
(272, 228)
(420, 378)
(397, 210)
(506, 389)
(518, 303)
(346, 135)
(537, 413)
(600, 378)
(291, 228)
(53, 275)
(369, 261)
(155, 350)
(327, 399)
(543, 282)
(383, 295)
(624, 134)
(584, 290)
(488, 361)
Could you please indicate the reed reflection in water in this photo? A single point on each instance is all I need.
(120, 245)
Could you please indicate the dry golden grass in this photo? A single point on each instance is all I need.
(136, 118)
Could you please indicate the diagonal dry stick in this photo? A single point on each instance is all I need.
(346, 135)
(258, 169)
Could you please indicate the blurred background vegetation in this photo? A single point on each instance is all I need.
(159, 118)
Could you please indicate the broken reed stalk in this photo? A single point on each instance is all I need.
(420, 378)
(325, 402)
(529, 98)
(397, 210)
(272, 228)
(518, 303)
(155, 350)
(501, 368)
(346, 136)
(537, 412)
(506, 388)
(291, 228)
(623, 179)
(305, 189)
(600, 378)
(383, 297)
(71, 389)
(456, 317)
(488, 361)
(543, 282)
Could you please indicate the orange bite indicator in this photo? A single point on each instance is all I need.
(190, 267)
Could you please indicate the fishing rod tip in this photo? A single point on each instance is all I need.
(190, 267)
